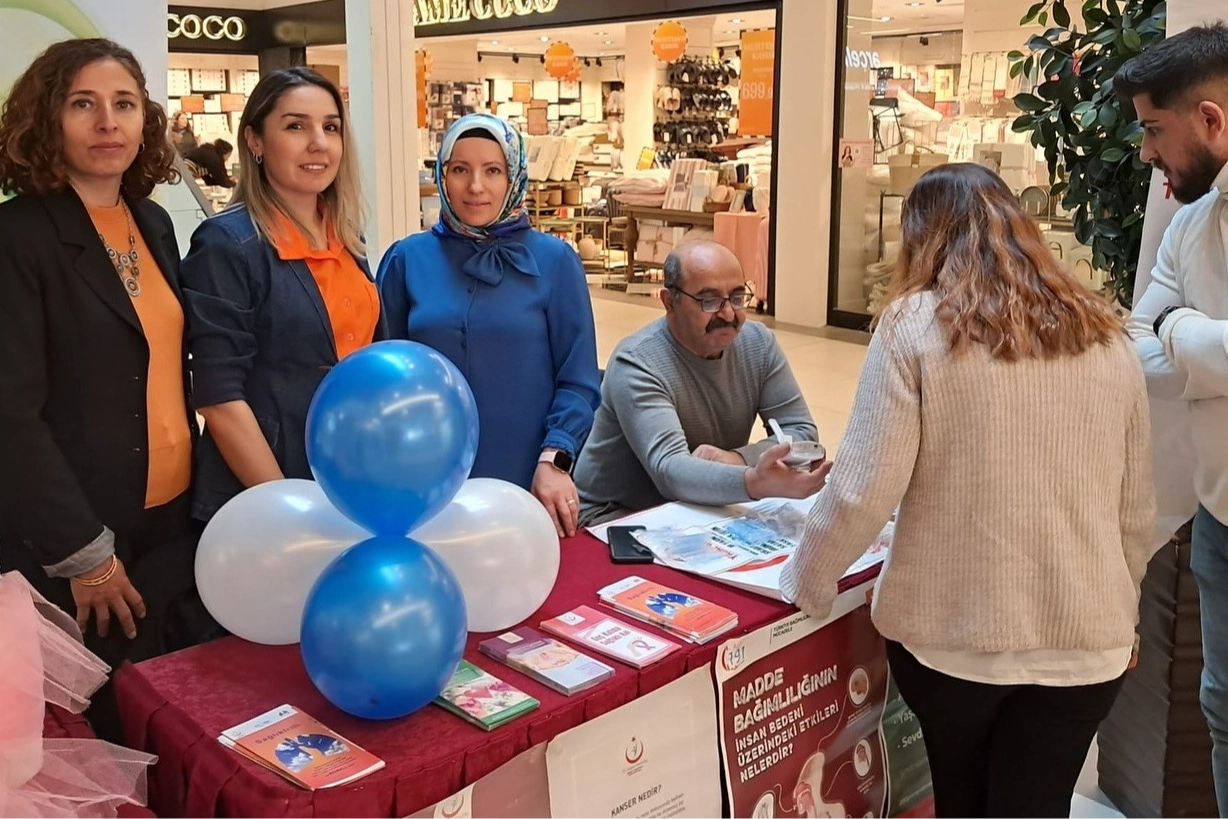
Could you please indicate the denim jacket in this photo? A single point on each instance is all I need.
(259, 332)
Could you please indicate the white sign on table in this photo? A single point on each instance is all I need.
(653, 757)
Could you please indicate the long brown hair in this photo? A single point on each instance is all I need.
(966, 239)
(32, 141)
(346, 207)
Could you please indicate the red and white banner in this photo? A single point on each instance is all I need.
(802, 707)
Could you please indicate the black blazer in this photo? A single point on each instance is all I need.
(73, 364)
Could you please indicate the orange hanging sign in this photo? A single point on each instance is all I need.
(669, 41)
(559, 59)
(757, 84)
(574, 74)
(422, 67)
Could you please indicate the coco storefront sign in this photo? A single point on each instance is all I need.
(435, 12)
(208, 27)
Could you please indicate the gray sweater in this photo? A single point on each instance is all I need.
(660, 401)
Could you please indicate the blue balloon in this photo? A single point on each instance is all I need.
(384, 628)
(392, 433)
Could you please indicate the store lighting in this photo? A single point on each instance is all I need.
(515, 58)
(885, 19)
(736, 20)
(730, 31)
(914, 5)
(494, 42)
(544, 38)
(599, 61)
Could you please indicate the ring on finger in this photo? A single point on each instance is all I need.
(571, 502)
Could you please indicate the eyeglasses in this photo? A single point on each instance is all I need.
(738, 300)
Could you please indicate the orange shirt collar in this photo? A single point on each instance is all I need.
(292, 244)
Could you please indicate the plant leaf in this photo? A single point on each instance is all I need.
(1060, 15)
(1131, 39)
(1029, 102)
(1032, 12)
(1111, 155)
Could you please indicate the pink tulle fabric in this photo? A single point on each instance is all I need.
(43, 660)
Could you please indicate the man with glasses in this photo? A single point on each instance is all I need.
(680, 398)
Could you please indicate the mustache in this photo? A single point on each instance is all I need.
(720, 323)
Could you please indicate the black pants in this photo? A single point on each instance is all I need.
(1001, 750)
(159, 556)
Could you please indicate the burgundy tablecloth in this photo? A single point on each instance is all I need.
(61, 724)
(175, 706)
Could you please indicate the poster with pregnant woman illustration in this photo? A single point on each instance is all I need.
(802, 705)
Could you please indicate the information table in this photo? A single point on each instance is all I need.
(175, 706)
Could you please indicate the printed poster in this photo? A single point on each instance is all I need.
(516, 788)
(654, 757)
(910, 791)
(800, 706)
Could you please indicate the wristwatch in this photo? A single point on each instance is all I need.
(1165, 313)
(560, 460)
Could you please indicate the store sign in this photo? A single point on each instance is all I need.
(208, 27)
(434, 12)
(757, 86)
(861, 59)
(669, 41)
(560, 59)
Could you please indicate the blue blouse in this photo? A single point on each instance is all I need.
(513, 314)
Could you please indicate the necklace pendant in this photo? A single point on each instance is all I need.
(133, 286)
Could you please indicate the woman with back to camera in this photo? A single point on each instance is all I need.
(277, 286)
(96, 436)
(509, 306)
(1003, 410)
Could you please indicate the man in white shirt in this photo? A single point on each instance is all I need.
(1180, 325)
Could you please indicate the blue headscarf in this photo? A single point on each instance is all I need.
(490, 261)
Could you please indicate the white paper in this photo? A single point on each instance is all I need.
(654, 757)
(502, 90)
(547, 90)
(730, 557)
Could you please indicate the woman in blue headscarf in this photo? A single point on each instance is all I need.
(509, 306)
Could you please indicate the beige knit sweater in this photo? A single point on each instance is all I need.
(1024, 492)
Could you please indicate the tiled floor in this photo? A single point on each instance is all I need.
(827, 371)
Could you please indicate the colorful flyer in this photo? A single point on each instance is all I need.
(546, 660)
(684, 614)
(292, 744)
(482, 698)
(609, 636)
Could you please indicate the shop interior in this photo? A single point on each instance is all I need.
(928, 82)
(614, 143)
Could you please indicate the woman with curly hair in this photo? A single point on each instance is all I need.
(96, 439)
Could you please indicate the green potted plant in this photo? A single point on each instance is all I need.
(1090, 138)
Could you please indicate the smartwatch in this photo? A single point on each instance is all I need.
(560, 460)
(1165, 313)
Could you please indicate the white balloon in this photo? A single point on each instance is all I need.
(502, 546)
(261, 553)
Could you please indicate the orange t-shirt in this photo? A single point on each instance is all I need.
(349, 296)
(161, 316)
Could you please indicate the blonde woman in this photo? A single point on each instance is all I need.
(1002, 409)
(277, 286)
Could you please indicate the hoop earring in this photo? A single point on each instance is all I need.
(140, 149)
(259, 158)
